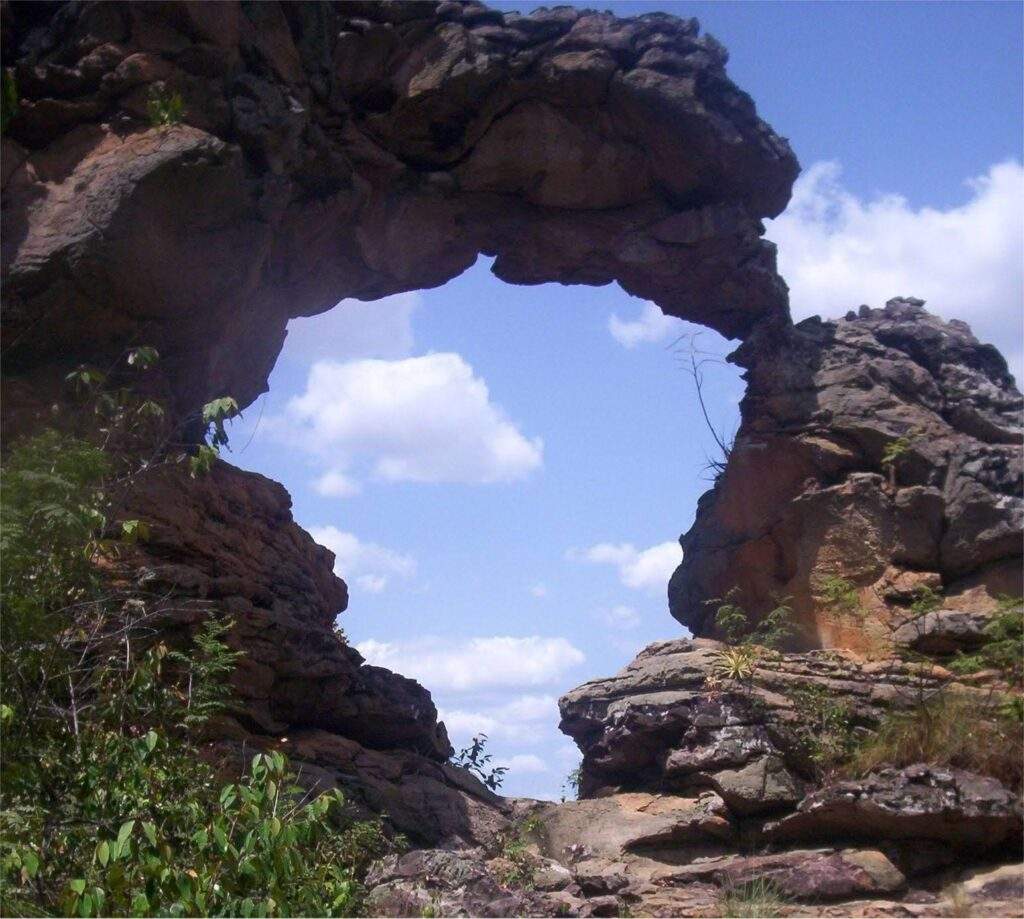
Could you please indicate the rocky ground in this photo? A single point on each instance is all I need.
(691, 792)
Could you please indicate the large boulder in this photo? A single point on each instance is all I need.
(966, 811)
(663, 723)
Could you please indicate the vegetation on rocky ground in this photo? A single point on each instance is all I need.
(758, 899)
(106, 805)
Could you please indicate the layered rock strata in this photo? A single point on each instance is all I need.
(878, 456)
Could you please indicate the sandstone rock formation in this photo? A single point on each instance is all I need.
(808, 501)
(358, 149)
(691, 787)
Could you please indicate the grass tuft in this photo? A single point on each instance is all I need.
(757, 899)
(952, 729)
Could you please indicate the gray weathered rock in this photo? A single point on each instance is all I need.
(809, 498)
(970, 812)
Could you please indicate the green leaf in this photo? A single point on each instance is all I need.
(125, 831)
(151, 741)
(134, 530)
(103, 853)
(77, 886)
(30, 862)
(143, 357)
(140, 904)
(150, 830)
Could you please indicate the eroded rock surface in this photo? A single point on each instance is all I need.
(358, 149)
(809, 508)
(693, 786)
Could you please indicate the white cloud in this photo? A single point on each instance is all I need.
(621, 617)
(539, 590)
(642, 569)
(354, 329)
(423, 419)
(476, 663)
(837, 251)
(523, 762)
(335, 484)
(651, 325)
(366, 564)
(520, 719)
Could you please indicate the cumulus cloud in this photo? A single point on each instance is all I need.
(838, 250)
(519, 719)
(422, 419)
(476, 663)
(621, 617)
(651, 325)
(539, 591)
(642, 569)
(364, 564)
(354, 329)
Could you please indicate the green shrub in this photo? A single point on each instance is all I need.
(515, 850)
(926, 600)
(840, 594)
(571, 785)
(773, 631)
(476, 760)
(1004, 648)
(106, 807)
(824, 728)
(164, 109)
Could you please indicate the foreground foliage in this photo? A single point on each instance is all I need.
(106, 806)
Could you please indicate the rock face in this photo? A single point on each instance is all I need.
(693, 786)
(358, 149)
(810, 507)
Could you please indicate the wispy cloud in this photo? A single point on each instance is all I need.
(475, 663)
(650, 326)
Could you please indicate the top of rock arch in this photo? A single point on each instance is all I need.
(358, 149)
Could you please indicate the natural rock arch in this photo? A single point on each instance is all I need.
(362, 148)
(358, 150)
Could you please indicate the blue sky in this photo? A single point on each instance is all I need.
(504, 471)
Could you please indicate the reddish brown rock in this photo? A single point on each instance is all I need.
(807, 497)
(351, 150)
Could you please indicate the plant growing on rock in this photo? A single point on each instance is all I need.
(164, 108)
(106, 807)
(515, 850)
(732, 622)
(476, 760)
(891, 455)
(824, 727)
(1004, 648)
(953, 728)
(840, 594)
(756, 899)
(571, 785)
